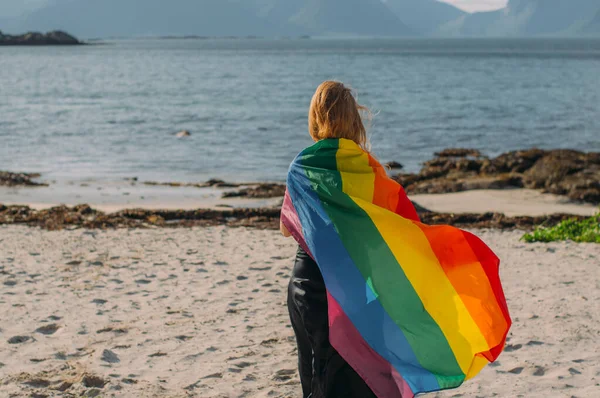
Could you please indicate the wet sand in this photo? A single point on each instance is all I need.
(111, 196)
(511, 202)
(201, 313)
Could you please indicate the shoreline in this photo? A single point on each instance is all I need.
(86, 217)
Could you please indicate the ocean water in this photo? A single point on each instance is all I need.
(107, 112)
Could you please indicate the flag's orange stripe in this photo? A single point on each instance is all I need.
(464, 270)
(389, 194)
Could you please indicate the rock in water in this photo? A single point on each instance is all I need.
(394, 165)
(9, 179)
(458, 153)
(54, 38)
(183, 133)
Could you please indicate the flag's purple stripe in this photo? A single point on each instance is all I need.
(378, 373)
(289, 217)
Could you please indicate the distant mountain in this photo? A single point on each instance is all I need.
(106, 18)
(110, 18)
(333, 17)
(527, 18)
(358, 17)
(424, 16)
(594, 26)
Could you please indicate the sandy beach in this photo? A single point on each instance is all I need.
(201, 313)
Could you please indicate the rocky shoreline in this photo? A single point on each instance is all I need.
(83, 216)
(570, 173)
(564, 172)
(54, 38)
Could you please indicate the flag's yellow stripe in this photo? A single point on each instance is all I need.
(479, 362)
(358, 177)
(413, 252)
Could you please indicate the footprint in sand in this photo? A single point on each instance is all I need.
(511, 347)
(260, 268)
(48, 329)
(539, 371)
(516, 371)
(284, 375)
(91, 381)
(19, 339)
(214, 376)
(533, 342)
(110, 357)
(37, 383)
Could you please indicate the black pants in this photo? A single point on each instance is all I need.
(323, 372)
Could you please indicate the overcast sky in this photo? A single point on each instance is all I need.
(16, 7)
(476, 5)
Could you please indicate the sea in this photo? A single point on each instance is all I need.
(108, 111)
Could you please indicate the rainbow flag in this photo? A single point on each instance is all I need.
(413, 308)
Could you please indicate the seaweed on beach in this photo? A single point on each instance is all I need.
(576, 230)
(83, 216)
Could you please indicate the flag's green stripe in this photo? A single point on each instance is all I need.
(372, 256)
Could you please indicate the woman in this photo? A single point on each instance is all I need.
(334, 113)
(390, 307)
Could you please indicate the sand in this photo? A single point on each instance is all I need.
(201, 313)
(512, 202)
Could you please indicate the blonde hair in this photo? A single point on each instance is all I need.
(334, 113)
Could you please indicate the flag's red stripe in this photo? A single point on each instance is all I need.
(491, 264)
